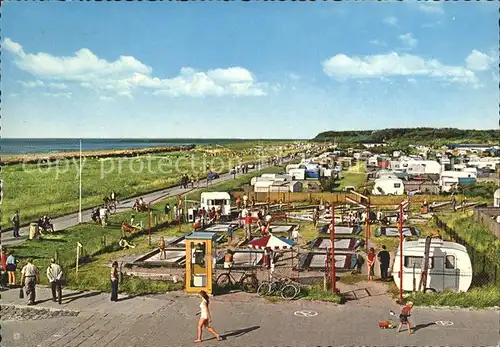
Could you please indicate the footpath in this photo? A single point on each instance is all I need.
(64, 222)
(91, 319)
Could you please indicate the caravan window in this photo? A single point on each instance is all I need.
(450, 262)
(397, 185)
(217, 202)
(411, 261)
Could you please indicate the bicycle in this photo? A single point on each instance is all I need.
(248, 281)
(284, 287)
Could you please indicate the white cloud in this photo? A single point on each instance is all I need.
(431, 7)
(32, 84)
(408, 40)
(294, 76)
(106, 98)
(343, 67)
(391, 20)
(478, 61)
(38, 83)
(59, 95)
(378, 42)
(125, 74)
(412, 80)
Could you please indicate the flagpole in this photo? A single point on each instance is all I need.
(80, 197)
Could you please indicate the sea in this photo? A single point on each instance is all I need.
(18, 146)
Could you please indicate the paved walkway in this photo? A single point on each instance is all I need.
(245, 320)
(64, 222)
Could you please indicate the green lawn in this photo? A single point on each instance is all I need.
(354, 176)
(101, 244)
(53, 189)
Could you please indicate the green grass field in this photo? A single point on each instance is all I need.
(354, 176)
(101, 244)
(53, 189)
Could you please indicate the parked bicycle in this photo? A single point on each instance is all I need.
(248, 281)
(286, 288)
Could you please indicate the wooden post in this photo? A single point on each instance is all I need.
(78, 247)
(149, 224)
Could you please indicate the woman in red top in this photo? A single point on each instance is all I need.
(4, 260)
(371, 264)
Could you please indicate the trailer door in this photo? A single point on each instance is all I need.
(451, 273)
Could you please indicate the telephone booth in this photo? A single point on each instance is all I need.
(200, 261)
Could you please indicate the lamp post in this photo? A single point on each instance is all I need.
(80, 193)
(332, 238)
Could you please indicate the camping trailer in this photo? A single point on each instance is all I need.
(217, 199)
(450, 267)
(496, 198)
(297, 174)
(450, 179)
(388, 186)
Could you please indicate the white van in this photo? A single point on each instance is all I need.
(217, 200)
(450, 267)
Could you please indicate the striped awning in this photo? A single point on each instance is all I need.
(271, 242)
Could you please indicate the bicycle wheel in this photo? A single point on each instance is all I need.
(249, 283)
(274, 287)
(263, 289)
(224, 280)
(289, 292)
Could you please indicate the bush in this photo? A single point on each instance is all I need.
(475, 298)
(316, 292)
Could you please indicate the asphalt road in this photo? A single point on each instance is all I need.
(245, 320)
(63, 222)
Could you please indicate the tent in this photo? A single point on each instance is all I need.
(271, 242)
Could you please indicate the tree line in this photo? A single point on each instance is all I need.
(418, 135)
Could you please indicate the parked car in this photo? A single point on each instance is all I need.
(212, 176)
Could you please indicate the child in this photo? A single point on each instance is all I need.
(371, 264)
(229, 235)
(161, 246)
(403, 316)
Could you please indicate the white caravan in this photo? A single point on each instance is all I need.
(388, 186)
(218, 200)
(450, 179)
(450, 267)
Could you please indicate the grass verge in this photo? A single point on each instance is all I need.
(475, 298)
(317, 293)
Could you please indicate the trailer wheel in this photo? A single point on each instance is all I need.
(430, 291)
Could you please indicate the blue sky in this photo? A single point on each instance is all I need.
(248, 70)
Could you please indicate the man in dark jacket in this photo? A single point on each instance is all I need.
(384, 259)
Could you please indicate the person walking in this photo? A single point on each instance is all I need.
(403, 317)
(371, 264)
(114, 281)
(11, 266)
(16, 223)
(359, 261)
(54, 275)
(384, 259)
(30, 277)
(205, 318)
(248, 225)
(161, 246)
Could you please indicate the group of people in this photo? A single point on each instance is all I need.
(186, 180)
(140, 205)
(45, 224)
(384, 260)
(100, 215)
(30, 277)
(202, 217)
